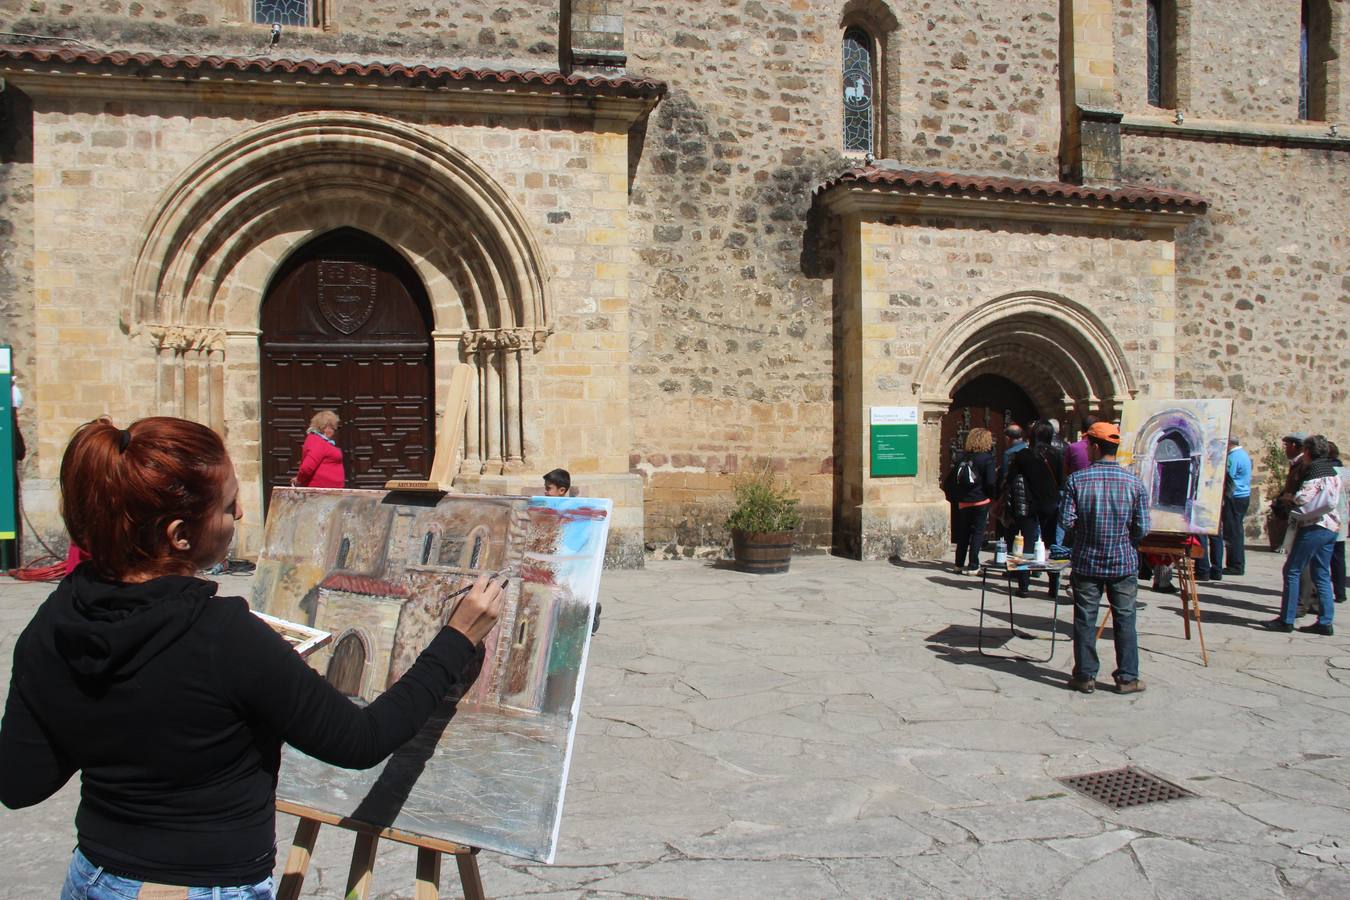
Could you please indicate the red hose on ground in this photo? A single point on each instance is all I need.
(32, 572)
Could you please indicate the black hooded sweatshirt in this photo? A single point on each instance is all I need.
(173, 704)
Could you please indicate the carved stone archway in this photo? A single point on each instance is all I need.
(223, 227)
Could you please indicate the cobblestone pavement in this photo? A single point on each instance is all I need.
(832, 733)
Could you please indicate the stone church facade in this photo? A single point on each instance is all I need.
(676, 242)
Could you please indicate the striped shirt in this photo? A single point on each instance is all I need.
(1109, 506)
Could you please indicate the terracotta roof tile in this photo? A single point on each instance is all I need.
(411, 76)
(916, 180)
(363, 584)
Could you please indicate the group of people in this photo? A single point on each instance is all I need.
(1075, 494)
(1078, 494)
(1313, 510)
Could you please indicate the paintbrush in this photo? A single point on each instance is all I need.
(460, 592)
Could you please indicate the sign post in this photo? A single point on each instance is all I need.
(895, 440)
(9, 515)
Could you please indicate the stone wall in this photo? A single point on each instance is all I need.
(463, 32)
(102, 167)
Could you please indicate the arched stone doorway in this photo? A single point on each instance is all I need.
(1059, 358)
(347, 666)
(346, 325)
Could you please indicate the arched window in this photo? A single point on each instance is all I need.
(1162, 53)
(1314, 53)
(283, 12)
(426, 548)
(859, 91)
(344, 549)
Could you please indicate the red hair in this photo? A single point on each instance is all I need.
(121, 488)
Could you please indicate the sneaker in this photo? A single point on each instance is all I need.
(1083, 685)
(1130, 687)
(1278, 625)
(1319, 628)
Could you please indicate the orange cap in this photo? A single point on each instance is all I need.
(1105, 431)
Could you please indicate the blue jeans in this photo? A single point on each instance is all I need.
(1087, 598)
(1312, 547)
(1035, 527)
(86, 881)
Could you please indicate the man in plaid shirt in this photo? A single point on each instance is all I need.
(1110, 509)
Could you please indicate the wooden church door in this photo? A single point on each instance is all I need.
(346, 325)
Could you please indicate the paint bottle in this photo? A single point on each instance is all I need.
(1000, 552)
(1017, 545)
(1039, 552)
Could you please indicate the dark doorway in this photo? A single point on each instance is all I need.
(347, 665)
(346, 325)
(1174, 472)
(986, 401)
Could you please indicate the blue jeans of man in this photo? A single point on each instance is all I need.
(1232, 514)
(1087, 598)
(1312, 547)
(86, 881)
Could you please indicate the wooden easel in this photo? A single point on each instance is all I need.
(429, 850)
(1183, 562)
(447, 444)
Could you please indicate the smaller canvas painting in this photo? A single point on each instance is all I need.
(1179, 449)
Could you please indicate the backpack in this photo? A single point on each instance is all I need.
(965, 473)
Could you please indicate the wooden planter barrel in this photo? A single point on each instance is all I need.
(762, 553)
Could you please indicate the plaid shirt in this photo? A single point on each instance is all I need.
(1108, 505)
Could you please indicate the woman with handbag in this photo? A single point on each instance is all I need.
(970, 488)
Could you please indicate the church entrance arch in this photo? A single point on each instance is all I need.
(1025, 355)
(346, 325)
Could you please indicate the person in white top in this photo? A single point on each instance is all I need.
(1314, 510)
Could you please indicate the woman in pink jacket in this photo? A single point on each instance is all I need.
(320, 459)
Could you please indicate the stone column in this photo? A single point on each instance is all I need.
(492, 408)
(511, 360)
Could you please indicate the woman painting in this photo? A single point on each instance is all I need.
(970, 487)
(320, 458)
(173, 703)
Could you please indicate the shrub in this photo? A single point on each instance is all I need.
(763, 504)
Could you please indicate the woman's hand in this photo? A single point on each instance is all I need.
(475, 615)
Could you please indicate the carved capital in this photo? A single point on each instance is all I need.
(183, 338)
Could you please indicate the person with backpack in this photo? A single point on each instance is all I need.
(970, 486)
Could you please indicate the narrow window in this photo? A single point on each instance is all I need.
(426, 548)
(343, 549)
(859, 91)
(1162, 53)
(281, 12)
(1314, 51)
(477, 551)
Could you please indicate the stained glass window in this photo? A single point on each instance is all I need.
(281, 12)
(858, 91)
(1154, 54)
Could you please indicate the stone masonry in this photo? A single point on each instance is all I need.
(725, 293)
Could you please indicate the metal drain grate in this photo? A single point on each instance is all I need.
(1125, 787)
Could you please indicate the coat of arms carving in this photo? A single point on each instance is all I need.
(346, 293)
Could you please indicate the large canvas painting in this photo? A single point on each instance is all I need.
(1179, 448)
(375, 570)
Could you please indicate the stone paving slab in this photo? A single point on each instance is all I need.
(833, 733)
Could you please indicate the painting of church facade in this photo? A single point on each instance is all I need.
(1179, 448)
(381, 572)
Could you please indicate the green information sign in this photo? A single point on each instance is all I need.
(8, 515)
(895, 440)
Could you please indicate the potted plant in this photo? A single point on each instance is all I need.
(762, 523)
